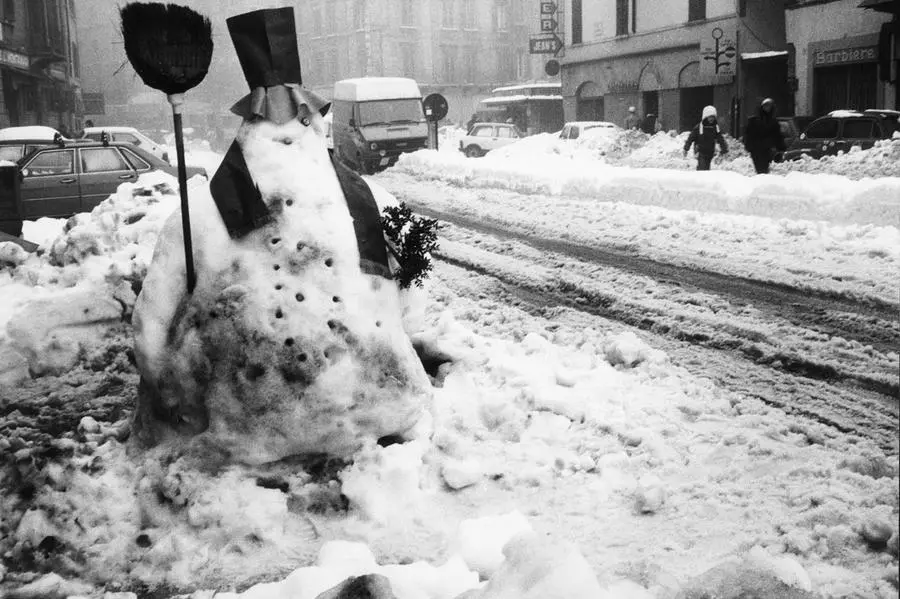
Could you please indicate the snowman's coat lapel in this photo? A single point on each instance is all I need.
(237, 196)
(243, 210)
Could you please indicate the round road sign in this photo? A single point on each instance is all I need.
(436, 107)
(552, 68)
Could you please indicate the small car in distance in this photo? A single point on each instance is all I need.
(66, 179)
(574, 129)
(128, 135)
(838, 132)
(484, 137)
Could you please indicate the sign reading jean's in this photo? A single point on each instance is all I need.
(828, 58)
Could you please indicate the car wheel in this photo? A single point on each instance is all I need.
(474, 152)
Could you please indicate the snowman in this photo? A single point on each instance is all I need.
(293, 341)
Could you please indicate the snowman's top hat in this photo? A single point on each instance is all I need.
(266, 44)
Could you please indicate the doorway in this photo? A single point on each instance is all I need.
(651, 103)
(693, 99)
(848, 87)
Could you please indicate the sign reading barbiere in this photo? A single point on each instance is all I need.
(718, 52)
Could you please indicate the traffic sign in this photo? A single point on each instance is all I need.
(549, 25)
(548, 8)
(435, 106)
(545, 45)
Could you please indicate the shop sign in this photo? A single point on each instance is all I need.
(623, 87)
(828, 58)
(718, 52)
(14, 59)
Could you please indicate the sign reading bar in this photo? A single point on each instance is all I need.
(14, 59)
(846, 56)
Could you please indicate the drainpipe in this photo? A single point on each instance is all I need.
(739, 76)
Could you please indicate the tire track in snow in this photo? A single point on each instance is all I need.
(871, 323)
(845, 408)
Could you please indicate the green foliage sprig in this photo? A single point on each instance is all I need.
(411, 240)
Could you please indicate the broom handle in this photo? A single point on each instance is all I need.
(176, 101)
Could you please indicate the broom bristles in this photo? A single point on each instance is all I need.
(169, 46)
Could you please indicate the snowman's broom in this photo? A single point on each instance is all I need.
(170, 47)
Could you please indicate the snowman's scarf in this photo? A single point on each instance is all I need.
(243, 210)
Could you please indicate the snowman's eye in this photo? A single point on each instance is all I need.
(305, 121)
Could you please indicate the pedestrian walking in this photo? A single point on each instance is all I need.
(632, 121)
(763, 137)
(704, 136)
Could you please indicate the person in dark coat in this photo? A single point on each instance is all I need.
(705, 135)
(763, 137)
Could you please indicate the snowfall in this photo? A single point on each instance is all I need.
(555, 461)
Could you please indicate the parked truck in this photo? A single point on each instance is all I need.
(375, 119)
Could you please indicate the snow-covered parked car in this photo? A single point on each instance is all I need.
(839, 131)
(574, 129)
(128, 135)
(485, 137)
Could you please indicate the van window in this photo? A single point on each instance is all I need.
(408, 110)
(342, 111)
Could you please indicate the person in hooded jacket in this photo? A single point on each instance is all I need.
(705, 135)
(763, 137)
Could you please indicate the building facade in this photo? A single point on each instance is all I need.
(672, 57)
(837, 56)
(39, 64)
(461, 49)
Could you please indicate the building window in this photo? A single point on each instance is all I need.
(408, 60)
(9, 11)
(316, 20)
(577, 31)
(523, 64)
(696, 10)
(448, 63)
(501, 15)
(469, 14)
(362, 58)
(622, 17)
(447, 15)
(407, 14)
(329, 18)
(471, 64)
(359, 14)
(507, 64)
(742, 8)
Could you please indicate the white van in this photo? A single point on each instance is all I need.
(375, 119)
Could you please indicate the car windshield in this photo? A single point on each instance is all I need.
(387, 112)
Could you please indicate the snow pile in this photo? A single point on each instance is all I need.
(633, 148)
(796, 196)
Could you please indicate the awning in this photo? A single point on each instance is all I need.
(519, 99)
(761, 55)
(888, 6)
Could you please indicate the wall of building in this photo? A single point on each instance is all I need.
(824, 27)
(38, 69)
(664, 55)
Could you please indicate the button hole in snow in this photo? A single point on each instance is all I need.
(377, 323)
(279, 313)
(329, 262)
(336, 299)
(276, 240)
(300, 245)
(278, 287)
(299, 297)
(332, 324)
(289, 202)
(277, 267)
(302, 357)
(289, 341)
